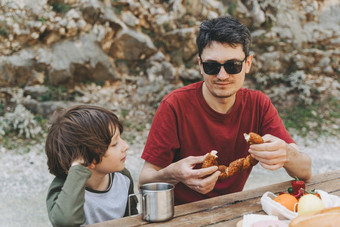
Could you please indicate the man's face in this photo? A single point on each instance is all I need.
(223, 84)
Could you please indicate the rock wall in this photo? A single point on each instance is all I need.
(296, 44)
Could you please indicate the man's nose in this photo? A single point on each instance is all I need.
(222, 74)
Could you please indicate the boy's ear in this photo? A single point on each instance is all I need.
(92, 165)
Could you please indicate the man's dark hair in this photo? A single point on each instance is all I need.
(223, 30)
(79, 132)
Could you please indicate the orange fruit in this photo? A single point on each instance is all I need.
(286, 200)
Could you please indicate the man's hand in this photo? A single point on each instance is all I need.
(201, 180)
(275, 153)
(272, 154)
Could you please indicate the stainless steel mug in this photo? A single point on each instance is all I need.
(157, 201)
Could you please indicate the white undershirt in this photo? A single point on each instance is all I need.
(101, 206)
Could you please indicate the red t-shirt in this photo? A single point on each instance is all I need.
(185, 125)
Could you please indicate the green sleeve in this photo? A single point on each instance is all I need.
(133, 199)
(66, 197)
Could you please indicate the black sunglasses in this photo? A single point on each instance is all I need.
(231, 67)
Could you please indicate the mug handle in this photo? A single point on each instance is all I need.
(129, 202)
(146, 212)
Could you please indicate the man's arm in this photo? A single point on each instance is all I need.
(201, 180)
(275, 153)
(298, 163)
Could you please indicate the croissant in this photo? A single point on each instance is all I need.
(237, 165)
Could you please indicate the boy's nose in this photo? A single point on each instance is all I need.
(125, 146)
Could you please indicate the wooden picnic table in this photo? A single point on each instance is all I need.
(227, 210)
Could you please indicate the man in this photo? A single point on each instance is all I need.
(213, 115)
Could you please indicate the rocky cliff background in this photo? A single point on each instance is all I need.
(126, 55)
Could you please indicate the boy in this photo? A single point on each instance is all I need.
(87, 155)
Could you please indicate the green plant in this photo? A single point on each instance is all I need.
(60, 7)
(21, 122)
(42, 19)
(149, 32)
(4, 32)
(191, 22)
(160, 43)
(317, 118)
(298, 117)
(99, 83)
(56, 93)
(124, 113)
(269, 23)
(232, 9)
(2, 109)
(140, 127)
(118, 9)
(166, 27)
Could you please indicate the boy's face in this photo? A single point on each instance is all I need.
(223, 84)
(115, 155)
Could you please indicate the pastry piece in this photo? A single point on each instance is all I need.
(224, 172)
(253, 138)
(237, 165)
(210, 159)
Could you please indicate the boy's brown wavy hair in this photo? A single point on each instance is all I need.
(79, 132)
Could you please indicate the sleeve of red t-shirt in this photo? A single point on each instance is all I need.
(271, 121)
(162, 143)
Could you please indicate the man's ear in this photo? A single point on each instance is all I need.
(248, 63)
(200, 64)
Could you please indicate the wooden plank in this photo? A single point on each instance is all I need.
(231, 223)
(230, 198)
(126, 221)
(227, 210)
(213, 213)
(330, 186)
(316, 179)
(217, 214)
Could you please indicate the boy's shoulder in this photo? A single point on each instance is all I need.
(126, 172)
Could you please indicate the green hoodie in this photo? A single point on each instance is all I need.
(66, 197)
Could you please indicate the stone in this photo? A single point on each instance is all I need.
(190, 75)
(129, 19)
(17, 69)
(131, 45)
(79, 61)
(35, 91)
(272, 62)
(182, 39)
(44, 109)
